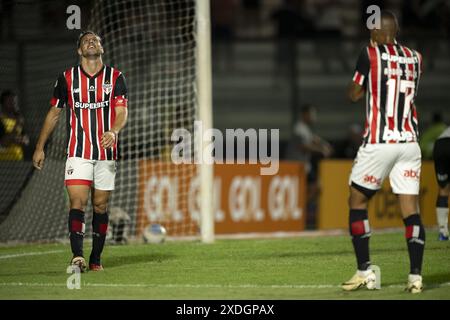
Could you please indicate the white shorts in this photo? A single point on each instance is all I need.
(97, 173)
(401, 161)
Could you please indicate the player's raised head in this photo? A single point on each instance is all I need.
(388, 30)
(89, 44)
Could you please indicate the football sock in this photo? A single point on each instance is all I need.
(442, 214)
(360, 232)
(99, 229)
(76, 231)
(415, 239)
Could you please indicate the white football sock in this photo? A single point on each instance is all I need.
(442, 218)
(414, 277)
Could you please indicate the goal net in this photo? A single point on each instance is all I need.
(154, 44)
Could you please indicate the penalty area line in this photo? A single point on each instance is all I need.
(27, 254)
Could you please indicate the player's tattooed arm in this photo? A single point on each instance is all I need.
(49, 125)
(110, 137)
(355, 92)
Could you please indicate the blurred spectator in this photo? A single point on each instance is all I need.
(430, 135)
(223, 20)
(12, 138)
(306, 146)
(348, 148)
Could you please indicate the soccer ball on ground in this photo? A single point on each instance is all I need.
(154, 233)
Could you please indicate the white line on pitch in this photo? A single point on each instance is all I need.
(25, 254)
(219, 286)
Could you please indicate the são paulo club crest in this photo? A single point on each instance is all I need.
(107, 87)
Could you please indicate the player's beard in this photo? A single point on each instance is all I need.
(92, 56)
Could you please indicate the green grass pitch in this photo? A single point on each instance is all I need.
(289, 268)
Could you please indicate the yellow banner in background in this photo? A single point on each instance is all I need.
(244, 200)
(384, 211)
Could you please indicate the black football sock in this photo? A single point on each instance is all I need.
(360, 232)
(99, 229)
(415, 238)
(76, 231)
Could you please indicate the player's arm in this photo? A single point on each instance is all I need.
(355, 92)
(57, 103)
(357, 86)
(109, 137)
(120, 105)
(49, 125)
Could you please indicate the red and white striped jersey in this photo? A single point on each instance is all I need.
(91, 102)
(390, 75)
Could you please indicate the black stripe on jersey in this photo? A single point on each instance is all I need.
(106, 111)
(366, 136)
(382, 88)
(68, 114)
(416, 89)
(68, 127)
(76, 97)
(93, 115)
(401, 97)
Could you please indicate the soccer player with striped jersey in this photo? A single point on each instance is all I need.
(95, 98)
(387, 74)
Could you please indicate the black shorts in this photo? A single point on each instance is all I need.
(441, 156)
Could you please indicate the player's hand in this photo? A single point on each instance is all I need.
(327, 149)
(38, 159)
(108, 139)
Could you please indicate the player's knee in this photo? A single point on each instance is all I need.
(356, 203)
(409, 204)
(357, 200)
(78, 204)
(100, 207)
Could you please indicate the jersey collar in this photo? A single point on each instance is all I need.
(95, 75)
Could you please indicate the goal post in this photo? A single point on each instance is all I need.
(204, 85)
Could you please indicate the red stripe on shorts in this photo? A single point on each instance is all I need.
(75, 182)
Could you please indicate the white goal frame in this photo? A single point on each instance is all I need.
(204, 87)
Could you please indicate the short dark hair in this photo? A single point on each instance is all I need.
(307, 108)
(82, 34)
(387, 14)
(6, 93)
